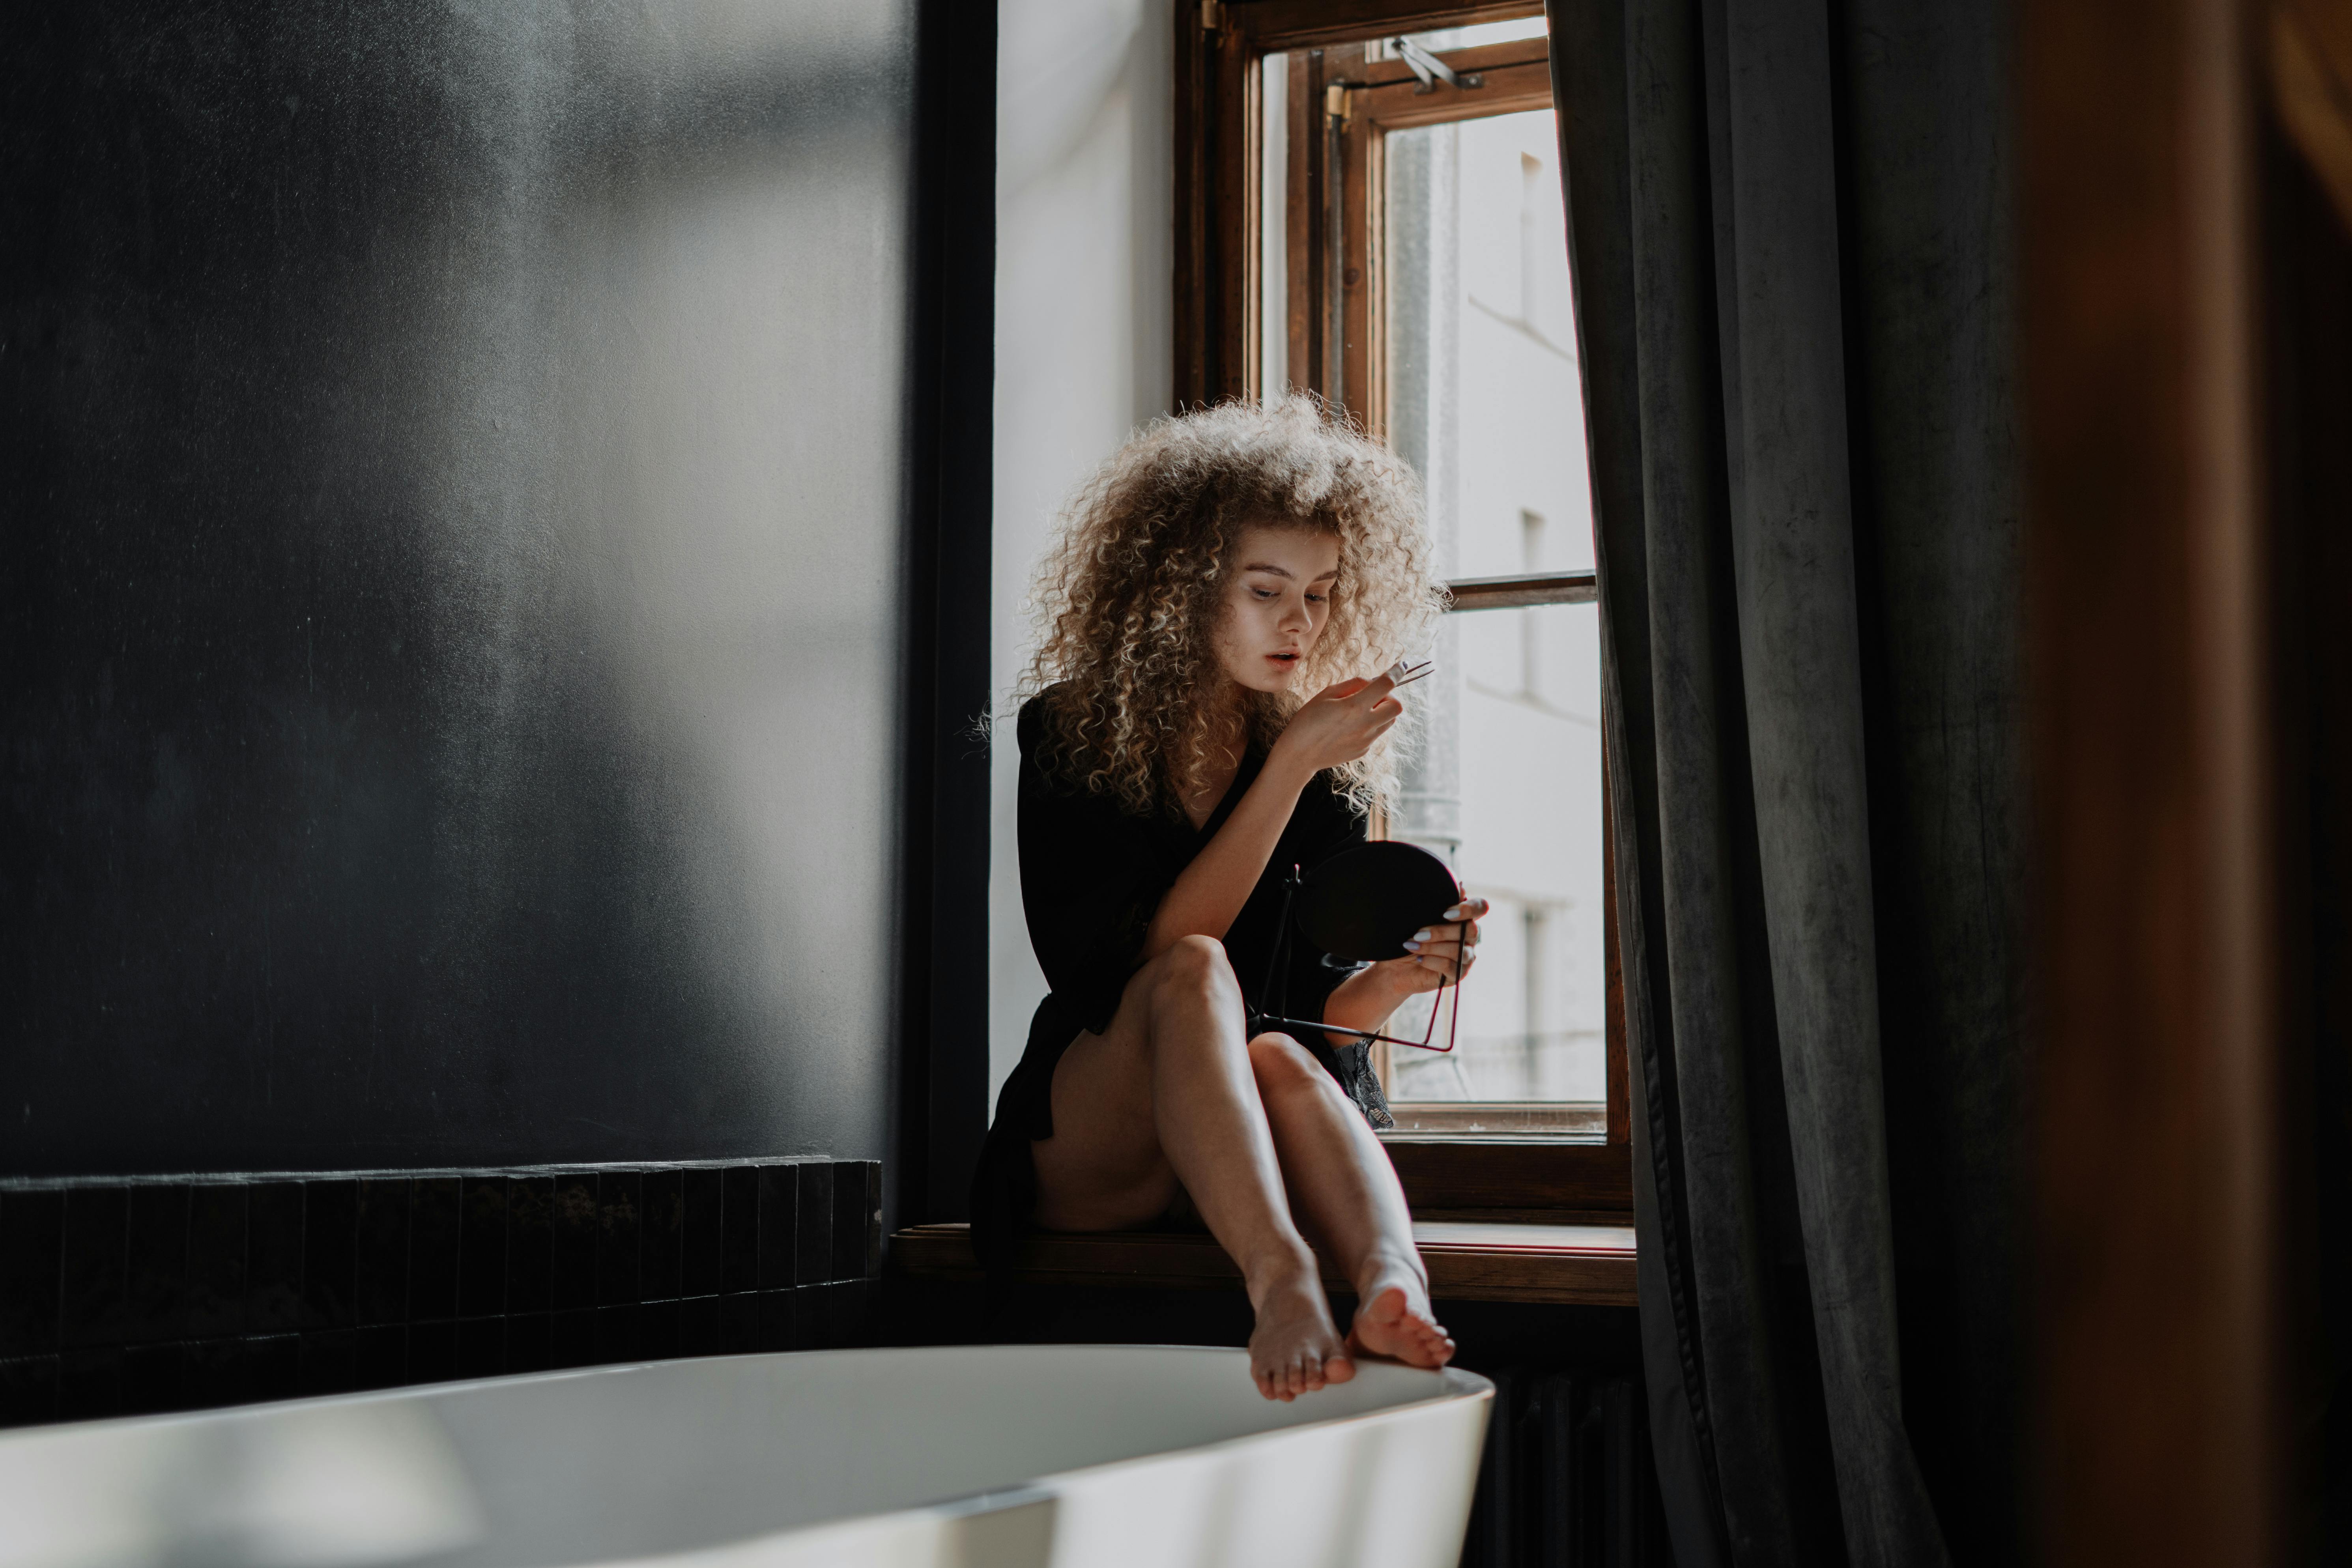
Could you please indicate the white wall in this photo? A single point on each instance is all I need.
(1084, 250)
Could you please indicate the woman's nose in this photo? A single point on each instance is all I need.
(1295, 616)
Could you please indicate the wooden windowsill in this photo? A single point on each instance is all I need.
(1579, 1265)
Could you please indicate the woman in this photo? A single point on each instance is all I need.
(1220, 566)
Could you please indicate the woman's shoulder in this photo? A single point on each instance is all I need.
(1039, 714)
(1049, 759)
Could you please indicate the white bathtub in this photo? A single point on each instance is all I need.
(992, 1456)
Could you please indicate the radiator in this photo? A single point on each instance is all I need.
(1567, 1481)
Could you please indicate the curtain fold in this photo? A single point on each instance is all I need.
(1787, 224)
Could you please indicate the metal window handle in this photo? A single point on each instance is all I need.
(1431, 70)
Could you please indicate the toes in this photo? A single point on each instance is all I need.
(1340, 1367)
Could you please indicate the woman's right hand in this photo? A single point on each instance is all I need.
(1339, 723)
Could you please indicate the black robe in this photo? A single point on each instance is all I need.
(1092, 875)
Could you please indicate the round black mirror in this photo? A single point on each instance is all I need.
(1364, 904)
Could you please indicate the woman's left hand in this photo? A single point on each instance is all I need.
(1444, 952)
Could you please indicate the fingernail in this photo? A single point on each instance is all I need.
(1421, 935)
(1413, 947)
(1455, 913)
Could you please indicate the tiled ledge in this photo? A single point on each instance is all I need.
(137, 1295)
(1588, 1265)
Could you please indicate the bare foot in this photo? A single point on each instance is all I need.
(1394, 1319)
(1294, 1348)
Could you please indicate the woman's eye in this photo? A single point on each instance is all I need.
(1263, 593)
(1319, 598)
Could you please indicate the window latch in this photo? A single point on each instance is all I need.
(1431, 70)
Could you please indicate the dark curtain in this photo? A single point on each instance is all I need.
(1788, 226)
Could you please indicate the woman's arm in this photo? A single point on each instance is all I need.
(1336, 727)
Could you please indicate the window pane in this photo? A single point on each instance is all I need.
(1484, 399)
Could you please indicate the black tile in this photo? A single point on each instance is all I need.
(90, 1383)
(433, 1351)
(331, 1213)
(738, 1324)
(28, 1390)
(618, 1274)
(275, 1365)
(383, 1257)
(216, 1300)
(777, 1314)
(215, 1372)
(699, 1327)
(433, 1211)
(481, 1347)
(657, 1331)
(739, 1222)
(32, 1237)
(616, 1333)
(572, 1338)
(92, 1310)
(331, 1361)
(853, 1312)
(852, 1217)
(273, 1257)
(482, 1248)
(780, 1188)
(702, 1242)
(530, 1243)
(527, 1343)
(380, 1355)
(823, 1325)
(151, 1379)
(661, 1228)
(816, 1225)
(155, 1278)
(573, 1222)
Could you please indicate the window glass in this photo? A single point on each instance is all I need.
(1483, 398)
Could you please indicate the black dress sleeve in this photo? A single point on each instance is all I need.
(1092, 877)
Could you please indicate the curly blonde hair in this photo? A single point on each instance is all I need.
(1125, 603)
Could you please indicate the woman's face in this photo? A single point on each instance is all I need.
(1276, 604)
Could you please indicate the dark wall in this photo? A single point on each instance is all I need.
(451, 467)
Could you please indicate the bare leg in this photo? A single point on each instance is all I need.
(1342, 1182)
(1167, 1095)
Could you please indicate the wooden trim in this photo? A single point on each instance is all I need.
(1507, 90)
(1304, 237)
(1234, 228)
(2311, 87)
(1363, 296)
(1305, 24)
(1527, 589)
(1562, 1265)
(1501, 1118)
(1528, 1176)
(2159, 1290)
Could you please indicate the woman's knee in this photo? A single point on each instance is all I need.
(1195, 966)
(1283, 1066)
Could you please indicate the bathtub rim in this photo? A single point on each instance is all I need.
(1473, 1386)
(1455, 1384)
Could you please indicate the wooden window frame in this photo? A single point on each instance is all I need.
(1220, 149)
